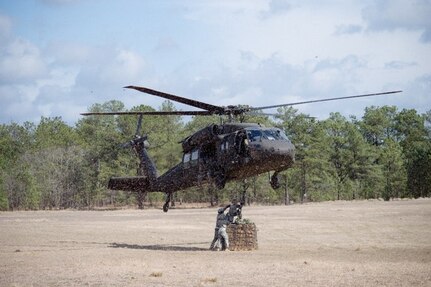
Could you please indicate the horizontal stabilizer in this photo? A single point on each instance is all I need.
(129, 183)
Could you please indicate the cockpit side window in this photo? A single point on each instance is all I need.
(282, 135)
(270, 135)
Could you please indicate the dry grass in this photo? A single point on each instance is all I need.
(210, 280)
(362, 243)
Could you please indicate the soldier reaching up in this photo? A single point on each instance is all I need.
(220, 234)
(235, 211)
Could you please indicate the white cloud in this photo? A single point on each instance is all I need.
(418, 94)
(348, 29)
(232, 52)
(61, 79)
(276, 7)
(21, 62)
(399, 14)
(399, 64)
(125, 66)
(5, 27)
(68, 53)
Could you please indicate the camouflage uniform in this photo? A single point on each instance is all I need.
(220, 234)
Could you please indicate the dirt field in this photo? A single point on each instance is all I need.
(366, 243)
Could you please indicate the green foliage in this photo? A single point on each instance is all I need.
(415, 142)
(243, 221)
(350, 156)
(53, 132)
(386, 154)
(394, 172)
(21, 189)
(309, 177)
(378, 124)
(4, 202)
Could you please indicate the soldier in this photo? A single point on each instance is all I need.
(234, 212)
(220, 234)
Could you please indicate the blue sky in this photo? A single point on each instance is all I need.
(57, 57)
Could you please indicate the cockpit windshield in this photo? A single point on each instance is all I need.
(254, 135)
(267, 133)
(274, 134)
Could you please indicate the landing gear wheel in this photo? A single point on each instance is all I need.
(166, 207)
(275, 181)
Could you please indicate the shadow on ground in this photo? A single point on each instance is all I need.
(163, 247)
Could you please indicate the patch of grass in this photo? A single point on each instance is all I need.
(156, 274)
(243, 221)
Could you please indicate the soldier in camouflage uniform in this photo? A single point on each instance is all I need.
(220, 234)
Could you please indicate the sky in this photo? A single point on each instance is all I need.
(58, 57)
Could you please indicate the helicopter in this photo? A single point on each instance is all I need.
(215, 154)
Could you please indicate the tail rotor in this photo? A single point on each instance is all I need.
(138, 138)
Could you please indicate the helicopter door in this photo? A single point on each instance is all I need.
(241, 143)
(207, 160)
(228, 154)
(191, 165)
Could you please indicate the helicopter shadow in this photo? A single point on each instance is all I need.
(159, 247)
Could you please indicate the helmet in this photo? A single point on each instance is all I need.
(220, 210)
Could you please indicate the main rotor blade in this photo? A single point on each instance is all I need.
(325, 100)
(254, 113)
(173, 113)
(190, 102)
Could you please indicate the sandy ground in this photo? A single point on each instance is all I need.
(366, 243)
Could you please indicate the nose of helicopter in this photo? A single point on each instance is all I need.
(275, 153)
(284, 153)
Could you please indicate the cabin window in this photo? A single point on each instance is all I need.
(186, 157)
(224, 146)
(195, 155)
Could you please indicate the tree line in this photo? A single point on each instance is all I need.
(51, 165)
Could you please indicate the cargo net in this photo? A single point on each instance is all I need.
(242, 235)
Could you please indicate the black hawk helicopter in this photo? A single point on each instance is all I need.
(215, 154)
